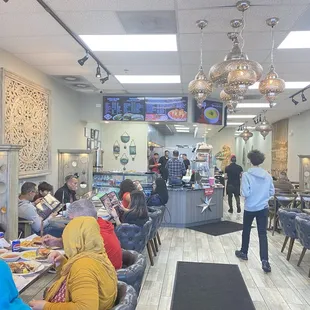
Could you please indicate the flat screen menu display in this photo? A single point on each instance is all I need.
(165, 109)
(211, 113)
(123, 108)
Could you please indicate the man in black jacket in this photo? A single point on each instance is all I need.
(67, 193)
(233, 174)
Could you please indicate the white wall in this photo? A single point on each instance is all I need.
(256, 142)
(66, 127)
(181, 139)
(112, 132)
(298, 142)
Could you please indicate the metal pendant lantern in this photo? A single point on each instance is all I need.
(246, 135)
(271, 86)
(264, 128)
(200, 87)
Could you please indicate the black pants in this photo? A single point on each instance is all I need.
(233, 191)
(261, 222)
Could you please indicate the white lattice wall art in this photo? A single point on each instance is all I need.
(25, 110)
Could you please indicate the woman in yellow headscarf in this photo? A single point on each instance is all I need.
(87, 280)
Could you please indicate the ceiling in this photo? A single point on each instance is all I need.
(30, 33)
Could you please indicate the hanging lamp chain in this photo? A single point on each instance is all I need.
(201, 46)
(272, 46)
(241, 31)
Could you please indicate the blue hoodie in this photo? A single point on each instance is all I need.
(9, 295)
(257, 188)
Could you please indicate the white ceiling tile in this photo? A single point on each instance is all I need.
(110, 5)
(291, 55)
(24, 6)
(45, 44)
(151, 87)
(92, 22)
(138, 58)
(65, 70)
(32, 24)
(145, 70)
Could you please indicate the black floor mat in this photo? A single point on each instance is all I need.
(202, 286)
(218, 229)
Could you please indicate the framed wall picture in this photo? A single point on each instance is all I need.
(96, 134)
(88, 146)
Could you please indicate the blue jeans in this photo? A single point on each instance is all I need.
(175, 181)
(261, 222)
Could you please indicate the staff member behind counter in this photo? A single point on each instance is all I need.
(67, 193)
(176, 169)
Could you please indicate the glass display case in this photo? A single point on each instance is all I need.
(110, 181)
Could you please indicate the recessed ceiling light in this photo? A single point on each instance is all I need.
(296, 39)
(235, 124)
(149, 79)
(288, 85)
(106, 122)
(253, 105)
(178, 125)
(209, 128)
(70, 78)
(156, 123)
(238, 116)
(131, 43)
(81, 85)
(182, 130)
(193, 125)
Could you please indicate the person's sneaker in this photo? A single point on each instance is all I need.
(266, 266)
(238, 210)
(241, 255)
(230, 210)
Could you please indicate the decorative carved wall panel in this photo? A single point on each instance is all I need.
(279, 147)
(26, 110)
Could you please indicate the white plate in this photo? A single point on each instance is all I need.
(39, 267)
(13, 259)
(2, 251)
(22, 256)
(23, 248)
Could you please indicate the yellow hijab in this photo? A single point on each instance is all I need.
(81, 238)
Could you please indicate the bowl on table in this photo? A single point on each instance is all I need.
(10, 256)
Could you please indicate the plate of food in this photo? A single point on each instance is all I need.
(2, 251)
(178, 115)
(10, 256)
(39, 255)
(156, 117)
(25, 268)
(118, 117)
(212, 115)
(33, 244)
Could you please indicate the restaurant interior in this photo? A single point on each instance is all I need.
(95, 93)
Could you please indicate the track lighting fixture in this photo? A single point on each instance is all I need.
(6, 1)
(83, 60)
(295, 101)
(105, 79)
(303, 97)
(98, 72)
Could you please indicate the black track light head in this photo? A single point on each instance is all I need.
(105, 79)
(303, 97)
(83, 60)
(6, 1)
(295, 101)
(98, 72)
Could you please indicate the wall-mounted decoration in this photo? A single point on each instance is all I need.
(74, 163)
(125, 138)
(304, 172)
(26, 111)
(88, 143)
(224, 156)
(92, 133)
(124, 161)
(132, 149)
(96, 134)
(116, 149)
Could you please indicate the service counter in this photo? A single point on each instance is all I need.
(187, 207)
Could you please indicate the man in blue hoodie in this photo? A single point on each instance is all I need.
(257, 188)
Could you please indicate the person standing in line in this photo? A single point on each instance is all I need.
(163, 162)
(186, 161)
(257, 188)
(176, 169)
(233, 173)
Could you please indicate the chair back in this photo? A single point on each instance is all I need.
(305, 201)
(287, 219)
(302, 223)
(126, 297)
(133, 237)
(156, 216)
(285, 200)
(133, 269)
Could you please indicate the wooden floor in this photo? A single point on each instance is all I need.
(286, 287)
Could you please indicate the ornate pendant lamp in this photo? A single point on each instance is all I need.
(230, 101)
(244, 70)
(272, 85)
(264, 127)
(200, 87)
(246, 134)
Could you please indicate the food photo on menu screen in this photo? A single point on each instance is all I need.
(123, 108)
(211, 113)
(161, 109)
